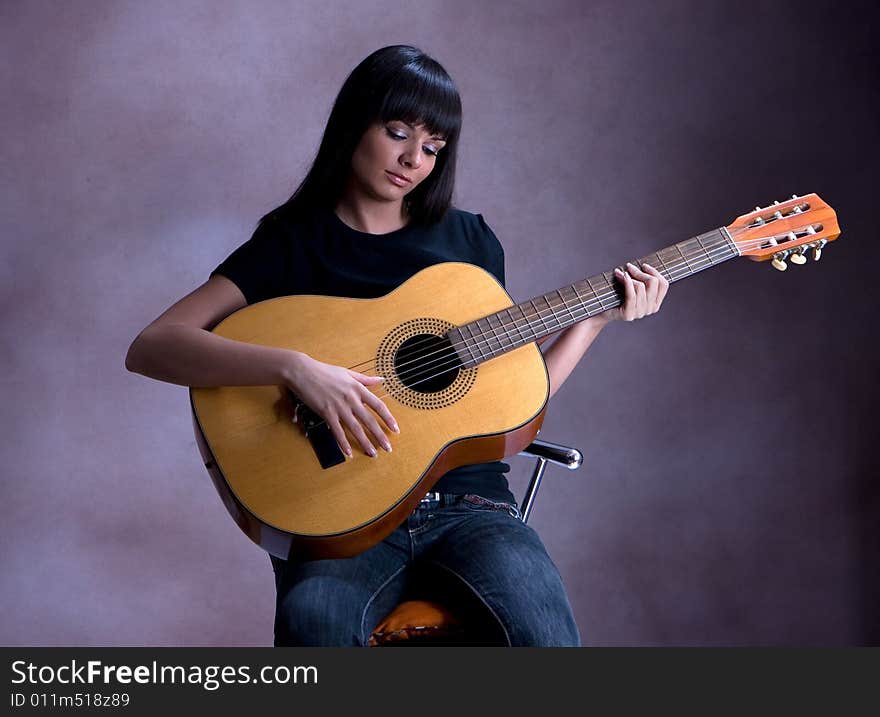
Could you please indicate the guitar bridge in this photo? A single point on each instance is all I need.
(318, 432)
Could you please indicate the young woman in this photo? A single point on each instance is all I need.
(374, 209)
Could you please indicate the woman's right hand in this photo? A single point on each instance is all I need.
(341, 397)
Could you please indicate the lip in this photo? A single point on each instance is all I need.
(401, 179)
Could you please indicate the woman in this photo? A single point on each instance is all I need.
(374, 209)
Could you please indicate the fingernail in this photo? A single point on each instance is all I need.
(629, 263)
(647, 266)
(387, 447)
(395, 428)
(372, 453)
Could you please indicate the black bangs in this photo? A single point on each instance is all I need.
(398, 82)
(421, 94)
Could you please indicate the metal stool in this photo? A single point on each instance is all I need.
(422, 622)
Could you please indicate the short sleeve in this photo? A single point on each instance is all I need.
(257, 266)
(495, 252)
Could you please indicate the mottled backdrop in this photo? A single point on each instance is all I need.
(728, 495)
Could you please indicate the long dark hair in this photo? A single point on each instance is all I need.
(398, 82)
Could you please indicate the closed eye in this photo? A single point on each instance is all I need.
(428, 150)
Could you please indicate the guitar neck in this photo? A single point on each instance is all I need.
(540, 316)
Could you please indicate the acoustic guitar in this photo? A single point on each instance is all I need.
(464, 379)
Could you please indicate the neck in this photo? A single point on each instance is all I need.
(540, 316)
(371, 216)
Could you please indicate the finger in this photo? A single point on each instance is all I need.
(652, 288)
(357, 430)
(629, 297)
(640, 291)
(368, 419)
(662, 289)
(339, 435)
(365, 379)
(378, 405)
(641, 299)
(661, 286)
(636, 272)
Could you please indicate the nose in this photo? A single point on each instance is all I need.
(411, 158)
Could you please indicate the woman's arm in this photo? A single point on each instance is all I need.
(179, 348)
(569, 347)
(644, 293)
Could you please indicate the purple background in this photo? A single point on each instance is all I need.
(728, 495)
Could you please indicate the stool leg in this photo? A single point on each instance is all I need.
(532, 490)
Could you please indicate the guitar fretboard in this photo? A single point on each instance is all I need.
(530, 320)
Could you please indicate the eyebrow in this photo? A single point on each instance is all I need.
(436, 136)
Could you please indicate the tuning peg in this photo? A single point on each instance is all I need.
(817, 249)
(776, 201)
(779, 261)
(798, 257)
(777, 214)
(794, 196)
(757, 209)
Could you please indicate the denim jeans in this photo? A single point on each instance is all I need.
(471, 554)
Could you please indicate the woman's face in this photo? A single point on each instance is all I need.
(394, 148)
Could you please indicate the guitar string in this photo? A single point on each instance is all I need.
(596, 298)
(597, 301)
(706, 262)
(473, 344)
(702, 263)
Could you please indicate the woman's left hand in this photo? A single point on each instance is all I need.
(644, 292)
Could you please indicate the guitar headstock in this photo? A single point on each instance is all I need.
(785, 230)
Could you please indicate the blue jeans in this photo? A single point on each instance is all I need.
(473, 555)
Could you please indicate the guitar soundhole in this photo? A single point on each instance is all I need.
(420, 367)
(426, 363)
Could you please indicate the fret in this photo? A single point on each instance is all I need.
(728, 240)
(596, 294)
(617, 297)
(674, 262)
(582, 303)
(663, 269)
(515, 323)
(522, 326)
(565, 304)
(531, 301)
(554, 323)
(696, 253)
(685, 258)
(475, 340)
(708, 255)
(525, 329)
(485, 338)
(463, 342)
(720, 248)
(498, 339)
(580, 300)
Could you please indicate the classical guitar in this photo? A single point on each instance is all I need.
(452, 345)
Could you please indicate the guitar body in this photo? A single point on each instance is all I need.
(267, 470)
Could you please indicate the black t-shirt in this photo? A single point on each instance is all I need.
(322, 255)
